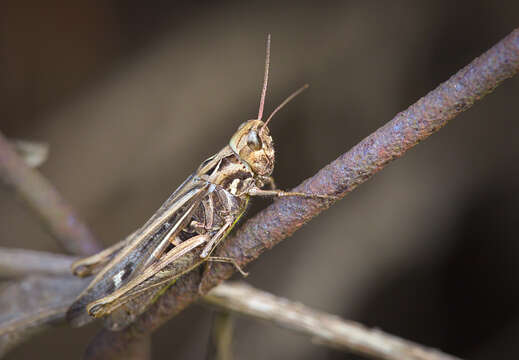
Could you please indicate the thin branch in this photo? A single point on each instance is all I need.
(33, 304)
(37, 302)
(22, 262)
(285, 216)
(220, 339)
(62, 222)
(322, 327)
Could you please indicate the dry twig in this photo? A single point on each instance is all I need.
(340, 177)
(45, 200)
(323, 328)
(21, 262)
(33, 304)
(39, 301)
(220, 339)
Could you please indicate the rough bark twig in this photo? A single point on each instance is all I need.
(61, 220)
(322, 327)
(285, 216)
(22, 262)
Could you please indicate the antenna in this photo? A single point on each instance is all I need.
(286, 101)
(265, 80)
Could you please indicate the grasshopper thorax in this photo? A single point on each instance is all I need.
(254, 146)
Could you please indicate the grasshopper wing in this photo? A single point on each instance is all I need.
(135, 297)
(169, 220)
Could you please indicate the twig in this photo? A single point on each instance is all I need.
(283, 217)
(220, 339)
(21, 262)
(33, 304)
(45, 200)
(322, 327)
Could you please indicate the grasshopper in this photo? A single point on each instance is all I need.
(185, 230)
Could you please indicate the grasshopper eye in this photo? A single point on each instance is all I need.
(253, 140)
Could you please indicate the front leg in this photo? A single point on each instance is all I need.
(229, 261)
(255, 191)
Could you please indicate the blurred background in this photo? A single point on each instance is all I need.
(131, 98)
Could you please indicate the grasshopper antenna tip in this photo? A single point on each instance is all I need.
(286, 101)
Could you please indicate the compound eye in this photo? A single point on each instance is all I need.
(253, 140)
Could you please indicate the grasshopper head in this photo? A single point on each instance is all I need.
(253, 144)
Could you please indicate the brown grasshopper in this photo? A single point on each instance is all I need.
(183, 233)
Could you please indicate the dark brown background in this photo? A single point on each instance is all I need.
(131, 98)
